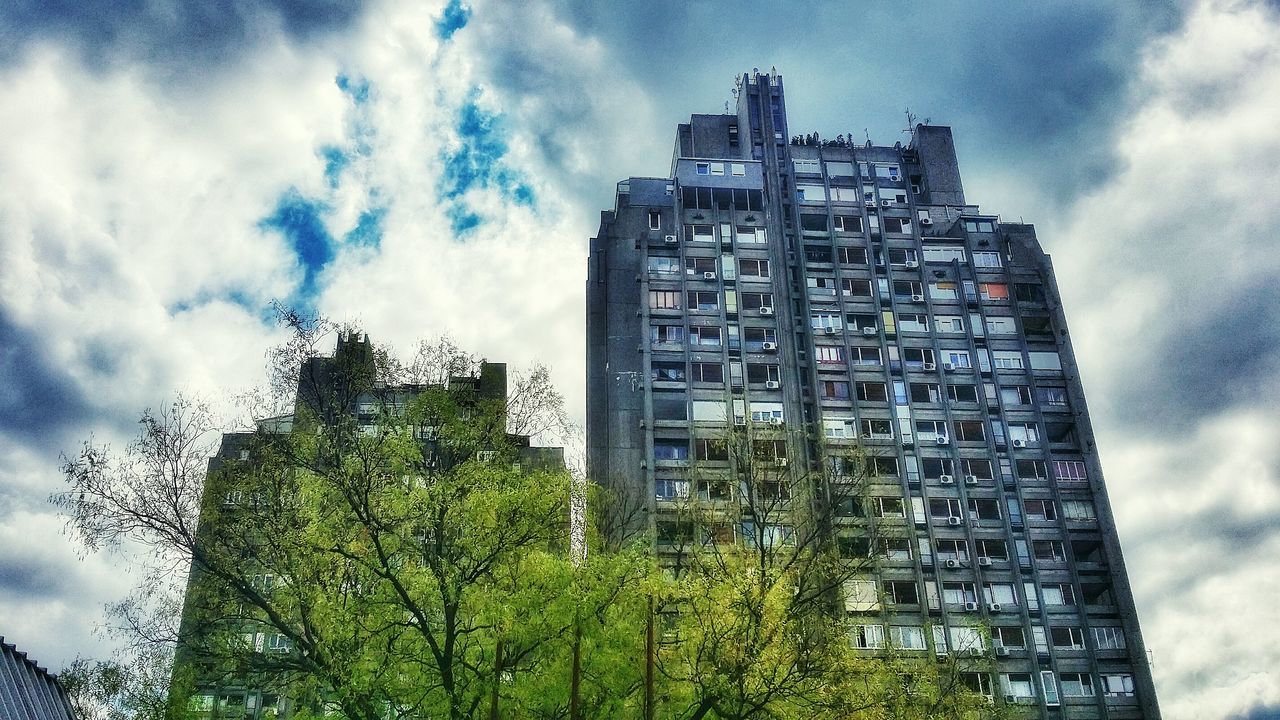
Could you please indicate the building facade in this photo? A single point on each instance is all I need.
(259, 682)
(852, 292)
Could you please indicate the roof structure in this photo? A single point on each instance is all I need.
(28, 691)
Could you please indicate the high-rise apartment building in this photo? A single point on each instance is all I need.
(852, 292)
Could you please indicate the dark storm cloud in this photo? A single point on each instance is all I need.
(1037, 93)
(28, 577)
(38, 399)
(1271, 712)
(1211, 357)
(181, 33)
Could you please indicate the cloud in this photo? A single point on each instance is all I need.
(175, 36)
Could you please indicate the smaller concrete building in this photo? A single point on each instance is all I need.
(28, 691)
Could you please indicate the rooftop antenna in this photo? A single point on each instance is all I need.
(911, 122)
(867, 133)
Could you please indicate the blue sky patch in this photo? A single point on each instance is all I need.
(368, 229)
(298, 219)
(455, 17)
(335, 161)
(478, 163)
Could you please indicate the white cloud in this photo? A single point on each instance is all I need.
(1151, 261)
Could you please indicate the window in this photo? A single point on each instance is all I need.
(1040, 510)
(1006, 359)
(931, 430)
(918, 358)
(762, 372)
(958, 593)
(702, 168)
(1067, 638)
(957, 358)
(1109, 638)
(907, 290)
(839, 169)
(901, 592)
(970, 430)
(1026, 433)
(1001, 326)
(873, 429)
(667, 334)
(864, 356)
(1010, 637)
(717, 168)
(708, 373)
(977, 683)
(766, 411)
(993, 549)
(943, 254)
(870, 391)
(834, 389)
(1017, 685)
(948, 323)
(994, 291)
(847, 224)
(1045, 360)
(808, 167)
(821, 285)
(1032, 470)
(712, 411)
(829, 355)
(755, 301)
(703, 300)
(924, 393)
(854, 287)
(888, 507)
(700, 233)
(1059, 594)
(1069, 470)
(862, 596)
(667, 371)
(897, 225)
(670, 489)
(756, 337)
(978, 468)
(811, 193)
(664, 299)
(1028, 292)
(837, 428)
(1050, 551)
(655, 220)
(896, 549)
(907, 637)
(704, 336)
(999, 594)
(1052, 397)
(1015, 395)
(667, 449)
(912, 322)
(711, 450)
(984, 509)
(753, 269)
(817, 254)
(942, 290)
(986, 259)
(1078, 510)
(887, 171)
(851, 256)
(737, 169)
(751, 235)
(902, 257)
(957, 550)
(1076, 684)
(943, 508)
(984, 226)
(966, 639)
(663, 265)
(1117, 685)
(867, 637)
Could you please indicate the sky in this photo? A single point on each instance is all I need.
(167, 169)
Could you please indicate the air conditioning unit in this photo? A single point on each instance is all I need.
(926, 220)
(831, 330)
(769, 346)
(1002, 651)
(955, 521)
(917, 298)
(775, 421)
(911, 264)
(994, 607)
(953, 564)
(949, 367)
(984, 562)
(708, 276)
(780, 462)
(942, 440)
(971, 479)
(871, 203)
(1011, 699)
(926, 365)
(946, 479)
(868, 332)
(886, 203)
(772, 384)
(766, 310)
(971, 607)
(1019, 443)
(670, 240)
(974, 652)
